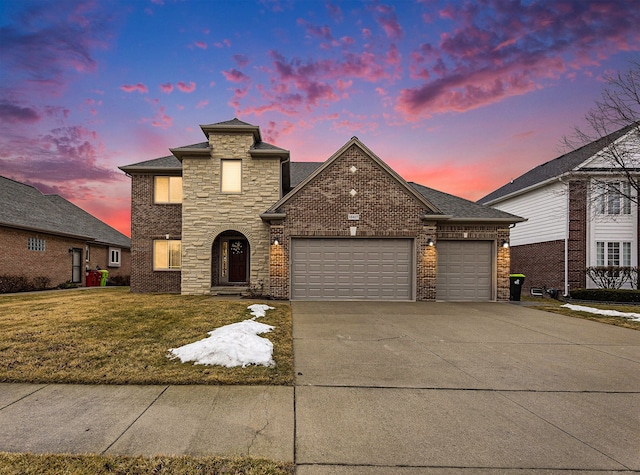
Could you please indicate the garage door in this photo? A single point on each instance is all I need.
(464, 270)
(351, 269)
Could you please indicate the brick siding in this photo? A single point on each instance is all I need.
(150, 221)
(55, 262)
(542, 264)
(385, 208)
(577, 245)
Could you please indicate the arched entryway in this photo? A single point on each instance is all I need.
(230, 259)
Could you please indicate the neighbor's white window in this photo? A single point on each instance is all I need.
(231, 181)
(612, 197)
(616, 253)
(167, 254)
(114, 257)
(168, 189)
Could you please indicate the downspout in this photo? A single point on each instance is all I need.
(566, 242)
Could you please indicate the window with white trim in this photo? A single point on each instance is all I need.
(36, 244)
(231, 176)
(613, 253)
(167, 189)
(114, 257)
(167, 254)
(612, 197)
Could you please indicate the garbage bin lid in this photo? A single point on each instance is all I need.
(517, 275)
(103, 271)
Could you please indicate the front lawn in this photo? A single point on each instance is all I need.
(556, 306)
(111, 336)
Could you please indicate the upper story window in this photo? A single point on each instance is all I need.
(612, 197)
(167, 189)
(114, 257)
(231, 171)
(35, 244)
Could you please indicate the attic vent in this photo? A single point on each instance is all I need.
(353, 169)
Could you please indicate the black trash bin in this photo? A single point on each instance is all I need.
(516, 282)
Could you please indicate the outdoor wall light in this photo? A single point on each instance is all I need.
(505, 244)
(430, 242)
(276, 242)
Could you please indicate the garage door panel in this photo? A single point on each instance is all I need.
(352, 269)
(464, 270)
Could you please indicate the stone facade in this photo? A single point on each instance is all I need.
(208, 212)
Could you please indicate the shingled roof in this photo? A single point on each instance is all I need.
(460, 209)
(24, 207)
(556, 167)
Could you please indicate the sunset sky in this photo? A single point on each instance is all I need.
(460, 96)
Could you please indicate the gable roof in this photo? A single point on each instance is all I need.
(354, 141)
(25, 207)
(554, 168)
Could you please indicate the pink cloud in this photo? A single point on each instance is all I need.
(200, 44)
(386, 17)
(507, 49)
(314, 31)
(166, 88)
(202, 104)
(162, 120)
(222, 44)
(241, 60)
(186, 88)
(15, 113)
(233, 75)
(141, 88)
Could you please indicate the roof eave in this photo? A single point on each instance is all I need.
(523, 191)
(282, 154)
(47, 231)
(186, 152)
(133, 169)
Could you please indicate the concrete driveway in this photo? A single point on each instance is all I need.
(442, 388)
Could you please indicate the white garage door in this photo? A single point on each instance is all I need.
(351, 269)
(464, 270)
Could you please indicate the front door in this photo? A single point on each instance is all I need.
(76, 265)
(237, 260)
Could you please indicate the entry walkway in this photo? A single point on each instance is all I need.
(399, 389)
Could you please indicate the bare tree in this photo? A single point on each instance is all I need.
(615, 115)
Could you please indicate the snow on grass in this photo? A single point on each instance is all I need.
(237, 344)
(609, 313)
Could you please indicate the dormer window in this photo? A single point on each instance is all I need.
(231, 180)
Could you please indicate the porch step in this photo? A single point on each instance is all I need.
(231, 290)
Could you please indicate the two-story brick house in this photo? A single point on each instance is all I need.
(235, 211)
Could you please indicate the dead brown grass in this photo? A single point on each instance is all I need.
(555, 306)
(112, 336)
(30, 464)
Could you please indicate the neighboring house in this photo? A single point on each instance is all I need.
(234, 211)
(578, 215)
(45, 236)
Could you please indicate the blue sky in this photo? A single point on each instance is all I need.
(458, 96)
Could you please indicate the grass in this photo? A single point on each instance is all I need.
(111, 336)
(555, 306)
(30, 464)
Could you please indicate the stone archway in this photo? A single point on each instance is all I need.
(230, 259)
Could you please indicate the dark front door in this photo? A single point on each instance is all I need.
(237, 260)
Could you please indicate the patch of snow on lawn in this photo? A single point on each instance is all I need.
(609, 313)
(237, 344)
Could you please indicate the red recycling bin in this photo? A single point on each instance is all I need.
(93, 278)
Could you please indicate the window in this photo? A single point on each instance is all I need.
(35, 244)
(231, 181)
(612, 198)
(613, 256)
(168, 189)
(114, 257)
(167, 254)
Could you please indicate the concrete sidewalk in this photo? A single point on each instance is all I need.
(148, 420)
(382, 388)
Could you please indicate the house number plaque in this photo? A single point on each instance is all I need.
(354, 217)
